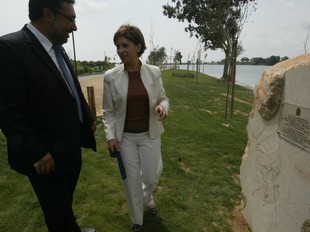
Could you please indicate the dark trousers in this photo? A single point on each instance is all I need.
(55, 194)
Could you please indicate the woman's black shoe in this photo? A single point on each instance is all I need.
(136, 227)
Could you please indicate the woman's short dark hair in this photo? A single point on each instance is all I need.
(131, 33)
(36, 7)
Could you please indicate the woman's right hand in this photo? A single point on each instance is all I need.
(113, 145)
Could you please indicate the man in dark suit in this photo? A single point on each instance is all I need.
(43, 112)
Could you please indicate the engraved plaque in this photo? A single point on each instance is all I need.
(295, 125)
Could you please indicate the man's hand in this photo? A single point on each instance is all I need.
(45, 165)
(94, 126)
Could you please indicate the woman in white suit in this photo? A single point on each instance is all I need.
(134, 105)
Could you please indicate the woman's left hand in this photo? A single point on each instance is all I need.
(161, 113)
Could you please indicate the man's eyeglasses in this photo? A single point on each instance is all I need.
(69, 18)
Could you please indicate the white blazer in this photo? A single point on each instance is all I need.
(115, 100)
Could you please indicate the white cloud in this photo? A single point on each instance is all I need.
(91, 6)
(278, 27)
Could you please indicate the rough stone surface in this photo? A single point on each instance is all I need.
(275, 174)
(306, 226)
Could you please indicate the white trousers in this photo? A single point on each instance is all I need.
(142, 160)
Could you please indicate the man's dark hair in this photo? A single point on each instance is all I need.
(133, 34)
(36, 7)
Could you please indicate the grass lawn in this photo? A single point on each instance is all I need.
(198, 189)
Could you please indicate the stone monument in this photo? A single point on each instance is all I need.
(275, 169)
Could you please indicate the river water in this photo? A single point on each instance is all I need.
(246, 75)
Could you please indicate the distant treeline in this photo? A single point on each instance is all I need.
(91, 67)
(272, 60)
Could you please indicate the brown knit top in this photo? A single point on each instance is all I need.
(137, 112)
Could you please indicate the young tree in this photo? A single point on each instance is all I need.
(306, 41)
(245, 60)
(157, 56)
(177, 57)
(217, 23)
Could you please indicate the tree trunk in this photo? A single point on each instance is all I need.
(225, 75)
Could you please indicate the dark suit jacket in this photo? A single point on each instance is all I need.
(37, 111)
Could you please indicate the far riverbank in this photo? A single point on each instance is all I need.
(246, 75)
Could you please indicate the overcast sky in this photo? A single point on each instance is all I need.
(278, 27)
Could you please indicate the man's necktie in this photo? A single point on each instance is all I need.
(68, 79)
